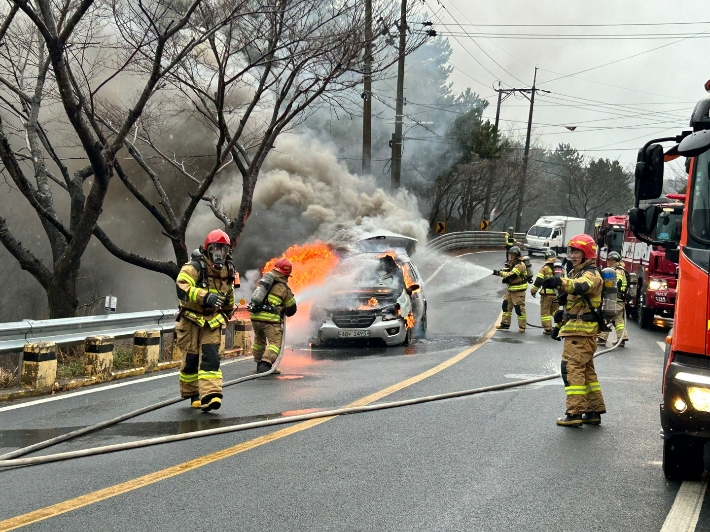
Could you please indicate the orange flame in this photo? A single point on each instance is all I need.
(409, 320)
(371, 303)
(311, 264)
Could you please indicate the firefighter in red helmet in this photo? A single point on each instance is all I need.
(579, 325)
(268, 314)
(205, 288)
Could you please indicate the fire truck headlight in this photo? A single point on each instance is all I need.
(700, 398)
(658, 284)
(680, 405)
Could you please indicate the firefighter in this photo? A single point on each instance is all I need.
(548, 297)
(205, 288)
(579, 326)
(515, 276)
(267, 319)
(509, 243)
(614, 261)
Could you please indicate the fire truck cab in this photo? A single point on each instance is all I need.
(685, 403)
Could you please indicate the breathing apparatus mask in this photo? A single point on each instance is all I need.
(217, 253)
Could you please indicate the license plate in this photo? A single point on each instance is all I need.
(661, 299)
(353, 334)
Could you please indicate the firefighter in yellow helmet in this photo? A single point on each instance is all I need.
(267, 317)
(515, 276)
(579, 326)
(614, 261)
(548, 296)
(205, 288)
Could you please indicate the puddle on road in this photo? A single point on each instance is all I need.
(147, 429)
(506, 340)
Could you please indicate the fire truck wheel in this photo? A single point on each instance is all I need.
(644, 315)
(683, 458)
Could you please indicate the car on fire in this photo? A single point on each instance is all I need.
(373, 295)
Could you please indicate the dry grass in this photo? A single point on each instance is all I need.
(8, 379)
(122, 357)
(70, 362)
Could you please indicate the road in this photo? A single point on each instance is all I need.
(495, 461)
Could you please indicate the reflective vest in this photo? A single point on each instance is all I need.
(516, 276)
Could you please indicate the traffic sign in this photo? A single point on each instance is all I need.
(440, 228)
(484, 225)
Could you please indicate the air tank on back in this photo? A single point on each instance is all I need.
(609, 293)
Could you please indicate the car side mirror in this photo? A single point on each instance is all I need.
(649, 172)
(643, 219)
(413, 288)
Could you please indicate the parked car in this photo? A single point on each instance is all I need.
(372, 296)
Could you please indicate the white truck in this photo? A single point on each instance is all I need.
(552, 232)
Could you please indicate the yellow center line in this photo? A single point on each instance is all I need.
(134, 484)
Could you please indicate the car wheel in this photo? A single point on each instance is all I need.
(683, 457)
(420, 328)
(408, 337)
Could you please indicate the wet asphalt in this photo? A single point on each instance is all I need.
(487, 462)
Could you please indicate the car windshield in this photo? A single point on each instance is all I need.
(668, 227)
(369, 272)
(539, 231)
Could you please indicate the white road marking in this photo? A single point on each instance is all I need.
(685, 511)
(103, 388)
(662, 345)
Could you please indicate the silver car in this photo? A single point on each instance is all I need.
(375, 295)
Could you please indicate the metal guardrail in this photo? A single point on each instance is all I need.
(471, 239)
(72, 331)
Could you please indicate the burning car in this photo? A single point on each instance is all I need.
(375, 294)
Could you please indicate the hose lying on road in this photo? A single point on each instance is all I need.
(108, 423)
(280, 421)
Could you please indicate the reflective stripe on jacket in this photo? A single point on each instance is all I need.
(584, 280)
(621, 284)
(516, 276)
(544, 273)
(192, 290)
(280, 300)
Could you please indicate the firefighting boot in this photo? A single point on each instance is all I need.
(601, 342)
(263, 366)
(570, 420)
(521, 329)
(592, 418)
(547, 332)
(195, 401)
(211, 402)
(623, 343)
(503, 327)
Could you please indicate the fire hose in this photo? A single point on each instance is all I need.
(108, 423)
(10, 460)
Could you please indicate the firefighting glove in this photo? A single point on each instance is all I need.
(496, 272)
(552, 282)
(213, 300)
(558, 316)
(556, 334)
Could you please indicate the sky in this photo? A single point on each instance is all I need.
(615, 108)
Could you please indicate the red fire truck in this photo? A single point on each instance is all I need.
(652, 280)
(685, 407)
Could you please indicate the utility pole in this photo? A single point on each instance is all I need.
(491, 178)
(503, 94)
(521, 193)
(367, 94)
(396, 142)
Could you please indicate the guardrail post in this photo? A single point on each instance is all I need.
(243, 335)
(39, 365)
(146, 349)
(98, 356)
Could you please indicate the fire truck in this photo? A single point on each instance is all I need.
(651, 294)
(685, 405)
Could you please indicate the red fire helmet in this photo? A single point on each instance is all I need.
(584, 243)
(217, 237)
(284, 266)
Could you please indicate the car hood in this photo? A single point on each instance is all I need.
(362, 299)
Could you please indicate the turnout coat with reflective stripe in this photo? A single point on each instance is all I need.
(192, 290)
(280, 299)
(544, 273)
(583, 280)
(515, 275)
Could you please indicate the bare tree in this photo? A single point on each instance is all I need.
(52, 77)
(259, 76)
